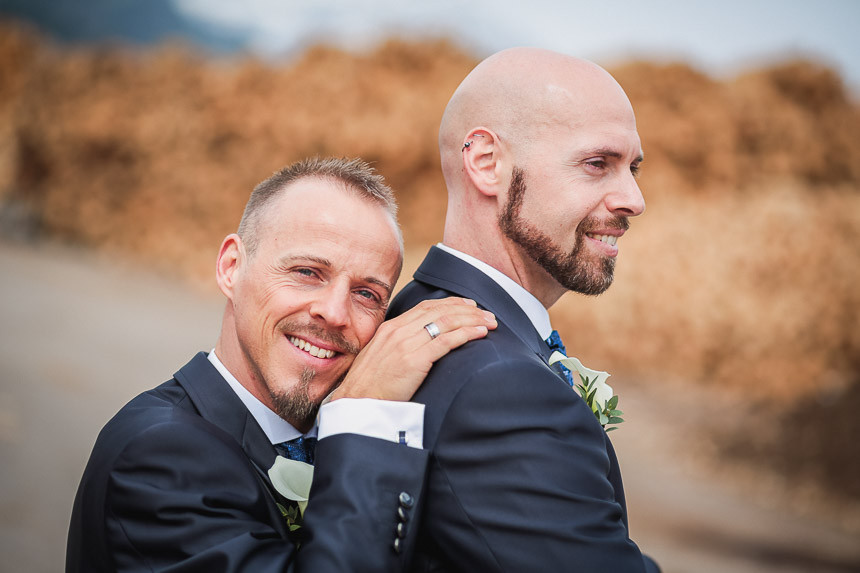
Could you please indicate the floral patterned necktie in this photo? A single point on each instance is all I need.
(555, 344)
(300, 449)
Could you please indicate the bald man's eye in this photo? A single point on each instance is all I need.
(597, 164)
(634, 169)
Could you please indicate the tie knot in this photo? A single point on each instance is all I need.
(555, 343)
(300, 449)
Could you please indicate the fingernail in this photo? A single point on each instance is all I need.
(489, 316)
(470, 301)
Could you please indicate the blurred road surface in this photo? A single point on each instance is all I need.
(80, 336)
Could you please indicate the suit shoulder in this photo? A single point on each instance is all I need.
(156, 423)
(499, 358)
(413, 293)
(495, 373)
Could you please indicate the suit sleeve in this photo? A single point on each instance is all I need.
(521, 479)
(183, 498)
(360, 513)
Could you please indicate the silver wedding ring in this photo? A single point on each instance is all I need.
(432, 330)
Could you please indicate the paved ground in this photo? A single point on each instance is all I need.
(79, 337)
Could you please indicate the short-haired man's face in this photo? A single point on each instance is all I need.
(313, 293)
(569, 204)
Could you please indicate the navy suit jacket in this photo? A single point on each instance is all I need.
(178, 480)
(522, 477)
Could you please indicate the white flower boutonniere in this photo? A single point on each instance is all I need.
(594, 390)
(292, 479)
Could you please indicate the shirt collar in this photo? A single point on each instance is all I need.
(276, 428)
(530, 305)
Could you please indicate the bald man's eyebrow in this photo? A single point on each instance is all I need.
(609, 152)
(605, 151)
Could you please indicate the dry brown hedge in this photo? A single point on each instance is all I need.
(742, 273)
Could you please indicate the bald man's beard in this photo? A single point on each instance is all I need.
(295, 405)
(572, 270)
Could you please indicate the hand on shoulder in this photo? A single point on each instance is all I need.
(395, 362)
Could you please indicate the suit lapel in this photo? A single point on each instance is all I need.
(218, 404)
(445, 271)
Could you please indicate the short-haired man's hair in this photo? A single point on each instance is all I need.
(355, 175)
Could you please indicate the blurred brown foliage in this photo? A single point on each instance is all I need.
(742, 273)
(155, 154)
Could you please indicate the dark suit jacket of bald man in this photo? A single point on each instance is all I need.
(522, 477)
(178, 480)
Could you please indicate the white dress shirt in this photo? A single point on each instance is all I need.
(533, 308)
(387, 420)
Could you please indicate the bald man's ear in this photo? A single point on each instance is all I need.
(231, 258)
(483, 161)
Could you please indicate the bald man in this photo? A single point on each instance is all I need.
(539, 152)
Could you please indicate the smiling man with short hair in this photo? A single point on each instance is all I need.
(179, 479)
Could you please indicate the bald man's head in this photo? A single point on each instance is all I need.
(519, 91)
(539, 151)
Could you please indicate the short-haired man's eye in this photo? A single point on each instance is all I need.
(367, 294)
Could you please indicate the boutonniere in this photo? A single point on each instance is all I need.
(594, 390)
(292, 479)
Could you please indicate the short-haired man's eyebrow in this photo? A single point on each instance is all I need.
(289, 259)
(373, 280)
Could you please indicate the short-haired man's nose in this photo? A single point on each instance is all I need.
(331, 305)
(627, 199)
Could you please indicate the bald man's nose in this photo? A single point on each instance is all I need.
(627, 200)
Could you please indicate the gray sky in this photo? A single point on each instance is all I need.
(720, 37)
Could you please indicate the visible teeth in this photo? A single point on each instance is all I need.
(608, 239)
(310, 348)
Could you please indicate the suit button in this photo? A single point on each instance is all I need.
(401, 530)
(397, 545)
(402, 514)
(406, 500)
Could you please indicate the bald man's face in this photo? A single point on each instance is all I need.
(570, 200)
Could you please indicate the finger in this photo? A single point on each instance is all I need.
(408, 331)
(458, 319)
(424, 309)
(466, 317)
(445, 343)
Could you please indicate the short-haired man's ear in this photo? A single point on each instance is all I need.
(230, 259)
(482, 161)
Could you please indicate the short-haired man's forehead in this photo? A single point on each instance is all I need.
(334, 183)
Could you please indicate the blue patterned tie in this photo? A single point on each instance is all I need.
(300, 449)
(555, 343)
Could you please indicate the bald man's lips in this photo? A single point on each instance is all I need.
(608, 239)
(606, 242)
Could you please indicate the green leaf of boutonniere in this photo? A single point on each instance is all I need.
(594, 390)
